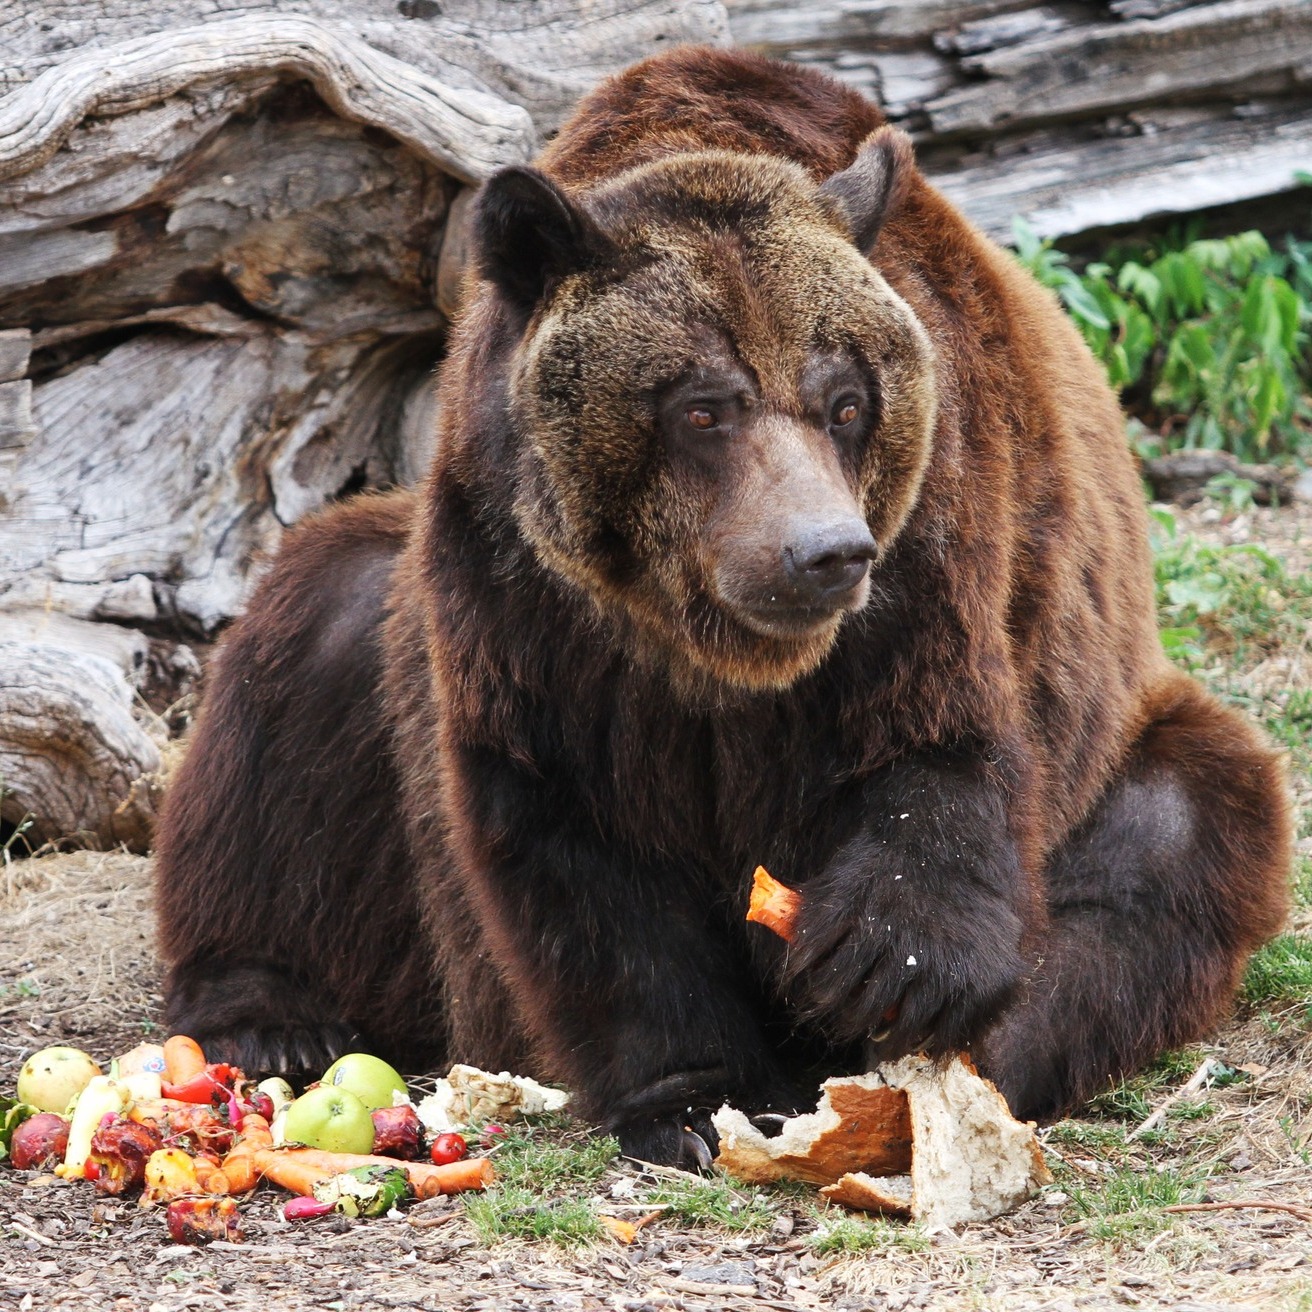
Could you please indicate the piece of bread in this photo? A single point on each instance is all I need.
(912, 1138)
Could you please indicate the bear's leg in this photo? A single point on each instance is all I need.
(1156, 902)
(288, 918)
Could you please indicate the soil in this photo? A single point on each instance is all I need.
(77, 966)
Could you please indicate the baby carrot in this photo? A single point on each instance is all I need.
(773, 904)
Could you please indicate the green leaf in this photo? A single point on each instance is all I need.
(1202, 593)
(1268, 401)
(1081, 303)
(1182, 643)
(1143, 283)
(1027, 242)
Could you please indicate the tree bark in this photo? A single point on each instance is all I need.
(1074, 114)
(229, 253)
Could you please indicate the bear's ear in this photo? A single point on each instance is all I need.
(870, 189)
(527, 232)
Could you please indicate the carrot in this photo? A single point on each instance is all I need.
(183, 1059)
(300, 1169)
(773, 904)
(239, 1165)
(210, 1176)
(285, 1171)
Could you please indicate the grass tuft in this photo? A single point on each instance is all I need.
(542, 1187)
(716, 1202)
(854, 1234)
(513, 1212)
(1280, 973)
(1128, 1203)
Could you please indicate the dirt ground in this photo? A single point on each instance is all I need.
(76, 966)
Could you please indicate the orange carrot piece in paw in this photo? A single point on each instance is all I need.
(773, 904)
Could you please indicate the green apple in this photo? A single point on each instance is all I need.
(52, 1078)
(371, 1080)
(329, 1118)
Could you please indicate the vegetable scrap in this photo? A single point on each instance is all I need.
(470, 1096)
(203, 1220)
(193, 1135)
(773, 904)
(776, 906)
(364, 1191)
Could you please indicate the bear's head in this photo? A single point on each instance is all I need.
(723, 411)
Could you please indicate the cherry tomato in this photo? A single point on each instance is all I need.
(448, 1148)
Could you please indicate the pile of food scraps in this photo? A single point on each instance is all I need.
(195, 1137)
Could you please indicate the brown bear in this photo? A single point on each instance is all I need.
(778, 518)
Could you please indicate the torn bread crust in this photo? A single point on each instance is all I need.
(936, 1143)
(861, 1124)
(890, 1195)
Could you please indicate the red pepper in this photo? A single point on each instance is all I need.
(214, 1080)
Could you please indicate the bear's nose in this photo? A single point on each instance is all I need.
(828, 559)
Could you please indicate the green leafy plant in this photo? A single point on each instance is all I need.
(1208, 338)
(1239, 596)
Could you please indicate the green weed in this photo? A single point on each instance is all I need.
(513, 1212)
(1280, 973)
(1135, 1099)
(525, 1158)
(1239, 597)
(1303, 881)
(542, 1187)
(1297, 1140)
(1089, 1136)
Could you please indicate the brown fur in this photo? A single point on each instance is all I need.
(595, 705)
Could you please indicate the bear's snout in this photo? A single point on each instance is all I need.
(799, 577)
(828, 560)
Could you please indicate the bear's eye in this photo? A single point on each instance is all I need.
(699, 416)
(845, 412)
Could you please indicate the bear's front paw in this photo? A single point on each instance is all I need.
(930, 983)
(256, 1016)
(688, 1141)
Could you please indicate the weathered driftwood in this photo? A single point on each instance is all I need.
(226, 272)
(1076, 114)
(74, 760)
(1161, 161)
(1213, 49)
(466, 132)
